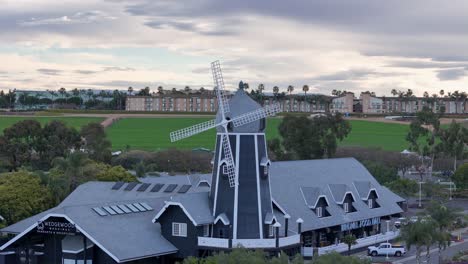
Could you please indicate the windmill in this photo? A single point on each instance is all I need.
(225, 122)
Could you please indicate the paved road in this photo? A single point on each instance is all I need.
(410, 256)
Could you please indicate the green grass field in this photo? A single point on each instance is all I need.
(76, 122)
(153, 133)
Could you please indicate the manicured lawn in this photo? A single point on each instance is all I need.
(76, 122)
(153, 133)
(376, 134)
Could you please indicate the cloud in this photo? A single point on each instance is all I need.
(427, 64)
(114, 68)
(53, 72)
(451, 74)
(77, 18)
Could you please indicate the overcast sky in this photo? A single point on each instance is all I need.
(353, 45)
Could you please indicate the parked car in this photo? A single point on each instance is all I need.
(386, 248)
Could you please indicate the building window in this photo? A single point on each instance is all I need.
(370, 202)
(225, 169)
(319, 211)
(206, 230)
(179, 229)
(346, 207)
(271, 230)
(265, 170)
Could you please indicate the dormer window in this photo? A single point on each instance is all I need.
(265, 170)
(370, 202)
(319, 211)
(265, 163)
(225, 169)
(346, 207)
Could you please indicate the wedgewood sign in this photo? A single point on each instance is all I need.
(56, 228)
(359, 224)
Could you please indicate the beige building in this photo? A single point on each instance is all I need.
(343, 104)
(173, 103)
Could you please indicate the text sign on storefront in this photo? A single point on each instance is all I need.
(56, 228)
(359, 224)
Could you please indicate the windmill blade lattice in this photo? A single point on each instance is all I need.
(231, 170)
(193, 130)
(220, 92)
(269, 110)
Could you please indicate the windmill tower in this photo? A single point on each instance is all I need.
(240, 190)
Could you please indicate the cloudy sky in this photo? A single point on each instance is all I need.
(353, 45)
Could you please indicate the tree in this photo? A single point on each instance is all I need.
(404, 187)
(461, 177)
(160, 90)
(144, 92)
(305, 89)
(383, 173)
(73, 168)
(130, 90)
(96, 144)
(313, 138)
(21, 196)
(418, 234)
(275, 91)
(19, 141)
(115, 173)
(349, 240)
(441, 92)
(453, 141)
(337, 258)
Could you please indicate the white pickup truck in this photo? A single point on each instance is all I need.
(386, 248)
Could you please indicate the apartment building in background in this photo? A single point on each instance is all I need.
(366, 103)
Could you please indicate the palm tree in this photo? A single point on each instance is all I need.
(290, 90)
(130, 90)
(426, 94)
(394, 92)
(276, 91)
(202, 90)
(261, 87)
(418, 234)
(72, 167)
(305, 88)
(441, 92)
(349, 240)
(187, 89)
(160, 90)
(62, 92)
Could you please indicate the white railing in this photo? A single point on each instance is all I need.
(361, 242)
(307, 251)
(213, 242)
(254, 243)
(289, 240)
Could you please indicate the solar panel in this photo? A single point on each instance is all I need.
(130, 186)
(139, 207)
(184, 188)
(109, 210)
(157, 187)
(133, 208)
(117, 185)
(143, 187)
(99, 211)
(146, 206)
(117, 209)
(124, 208)
(170, 188)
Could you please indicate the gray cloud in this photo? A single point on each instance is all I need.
(85, 72)
(114, 68)
(76, 18)
(427, 64)
(451, 74)
(53, 72)
(355, 74)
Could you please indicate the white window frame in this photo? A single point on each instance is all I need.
(206, 230)
(370, 202)
(346, 207)
(179, 229)
(225, 169)
(271, 231)
(265, 170)
(319, 211)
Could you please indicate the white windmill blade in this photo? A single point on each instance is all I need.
(230, 165)
(219, 88)
(192, 130)
(269, 110)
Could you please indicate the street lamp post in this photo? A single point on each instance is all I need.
(388, 227)
(419, 204)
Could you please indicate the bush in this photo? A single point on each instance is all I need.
(461, 177)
